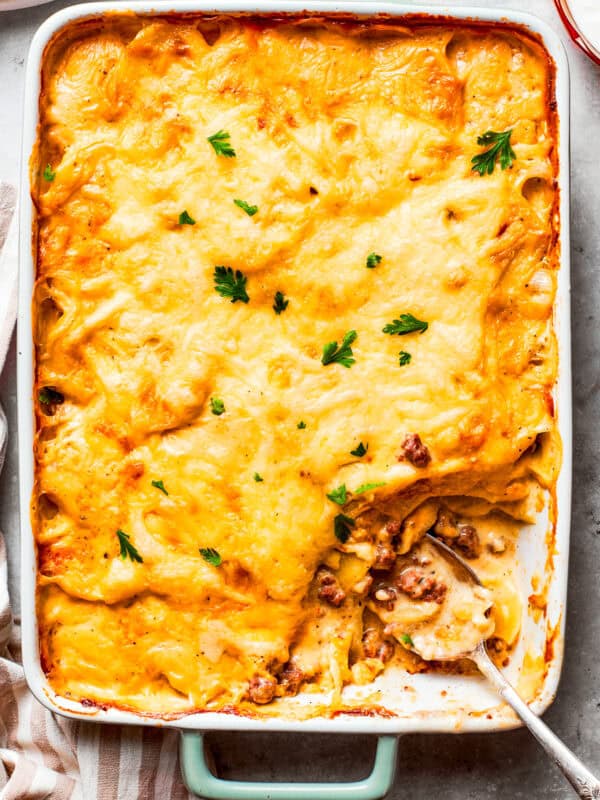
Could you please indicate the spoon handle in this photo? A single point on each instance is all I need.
(578, 775)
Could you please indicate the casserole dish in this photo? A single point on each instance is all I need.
(424, 702)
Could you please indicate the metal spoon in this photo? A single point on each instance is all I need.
(578, 775)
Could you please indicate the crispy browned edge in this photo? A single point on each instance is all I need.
(351, 24)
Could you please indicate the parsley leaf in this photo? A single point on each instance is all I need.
(338, 495)
(404, 358)
(211, 555)
(49, 173)
(50, 397)
(406, 640)
(250, 210)
(231, 284)
(499, 148)
(185, 219)
(342, 527)
(127, 549)
(360, 451)
(258, 478)
(406, 324)
(367, 487)
(342, 355)
(217, 406)
(372, 260)
(221, 144)
(280, 303)
(301, 425)
(160, 485)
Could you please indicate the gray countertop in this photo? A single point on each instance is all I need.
(507, 765)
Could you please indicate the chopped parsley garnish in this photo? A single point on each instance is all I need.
(406, 324)
(250, 210)
(50, 397)
(217, 406)
(367, 487)
(372, 260)
(404, 358)
(301, 425)
(342, 527)
(185, 219)
(49, 173)
(160, 485)
(359, 451)
(406, 640)
(499, 148)
(211, 555)
(221, 144)
(332, 354)
(258, 478)
(231, 284)
(338, 495)
(280, 303)
(127, 549)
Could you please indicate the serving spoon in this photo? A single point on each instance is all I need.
(581, 779)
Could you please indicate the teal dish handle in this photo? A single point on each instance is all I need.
(200, 780)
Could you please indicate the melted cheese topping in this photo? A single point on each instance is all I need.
(350, 138)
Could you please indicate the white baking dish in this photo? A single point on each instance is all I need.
(432, 702)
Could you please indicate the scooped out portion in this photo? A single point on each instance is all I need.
(389, 596)
(430, 609)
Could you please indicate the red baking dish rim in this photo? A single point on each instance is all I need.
(576, 35)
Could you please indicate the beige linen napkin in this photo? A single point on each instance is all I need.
(43, 755)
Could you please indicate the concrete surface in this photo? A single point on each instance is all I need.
(474, 767)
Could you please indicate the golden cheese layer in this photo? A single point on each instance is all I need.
(352, 140)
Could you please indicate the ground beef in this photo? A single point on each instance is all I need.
(415, 451)
(329, 588)
(375, 646)
(262, 689)
(467, 541)
(415, 582)
(460, 536)
(385, 558)
(393, 528)
(290, 678)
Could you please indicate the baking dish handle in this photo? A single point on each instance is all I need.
(202, 781)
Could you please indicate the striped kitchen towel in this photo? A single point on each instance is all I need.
(44, 756)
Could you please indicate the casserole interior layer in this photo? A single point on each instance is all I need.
(228, 509)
